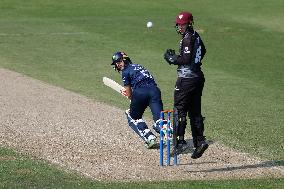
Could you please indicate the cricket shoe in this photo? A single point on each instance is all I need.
(151, 144)
(181, 146)
(198, 152)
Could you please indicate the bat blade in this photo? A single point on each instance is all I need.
(112, 84)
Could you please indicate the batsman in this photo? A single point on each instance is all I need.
(189, 84)
(141, 88)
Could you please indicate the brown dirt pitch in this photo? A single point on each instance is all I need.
(76, 133)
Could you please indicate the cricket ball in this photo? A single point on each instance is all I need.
(149, 24)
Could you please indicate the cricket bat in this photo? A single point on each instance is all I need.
(112, 84)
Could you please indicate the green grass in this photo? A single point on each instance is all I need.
(20, 171)
(69, 43)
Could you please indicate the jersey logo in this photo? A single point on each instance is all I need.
(186, 50)
(176, 89)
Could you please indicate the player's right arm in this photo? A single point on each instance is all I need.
(186, 51)
(127, 91)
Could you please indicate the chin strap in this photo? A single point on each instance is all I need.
(188, 28)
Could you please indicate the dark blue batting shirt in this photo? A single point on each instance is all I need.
(137, 76)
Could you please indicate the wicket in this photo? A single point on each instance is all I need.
(168, 130)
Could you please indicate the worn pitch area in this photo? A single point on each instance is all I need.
(92, 138)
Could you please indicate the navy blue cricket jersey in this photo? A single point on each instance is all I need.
(137, 76)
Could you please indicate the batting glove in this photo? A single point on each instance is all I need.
(123, 92)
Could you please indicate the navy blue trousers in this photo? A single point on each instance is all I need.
(142, 98)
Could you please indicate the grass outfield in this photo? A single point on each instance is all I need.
(69, 43)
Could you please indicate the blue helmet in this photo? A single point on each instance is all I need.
(119, 57)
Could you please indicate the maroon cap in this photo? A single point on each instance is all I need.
(184, 18)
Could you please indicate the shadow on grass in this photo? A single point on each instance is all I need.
(267, 164)
(279, 162)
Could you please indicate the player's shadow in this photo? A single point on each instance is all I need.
(267, 164)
